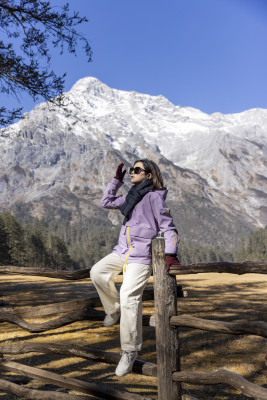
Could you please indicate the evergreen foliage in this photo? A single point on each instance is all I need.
(87, 241)
(14, 239)
(193, 254)
(35, 26)
(31, 246)
(254, 248)
(5, 256)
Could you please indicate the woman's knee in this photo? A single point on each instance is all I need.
(95, 274)
(99, 276)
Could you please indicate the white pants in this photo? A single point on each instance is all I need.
(129, 300)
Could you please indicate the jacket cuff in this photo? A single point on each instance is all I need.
(116, 182)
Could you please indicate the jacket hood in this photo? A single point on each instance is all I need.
(163, 193)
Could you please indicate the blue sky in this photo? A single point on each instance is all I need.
(207, 54)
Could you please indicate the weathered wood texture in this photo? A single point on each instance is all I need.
(142, 367)
(63, 307)
(104, 392)
(167, 348)
(245, 267)
(73, 305)
(67, 312)
(65, 319)
(223, 376)
(33, 394)
(258, 328)
(67, 275)
(80, 315)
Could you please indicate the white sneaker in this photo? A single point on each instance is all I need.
(111, 319)
(126, 362)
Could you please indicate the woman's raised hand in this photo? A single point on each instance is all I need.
(120, 173)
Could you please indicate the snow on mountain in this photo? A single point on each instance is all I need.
(219, 158)
(229, 151)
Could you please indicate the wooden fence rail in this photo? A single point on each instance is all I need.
(223, 376)
(234, 328)
(104, 392)
(165, 320)
(245, 267)
(69, 312)
(32, 394)
(140, 367)
(57, 274)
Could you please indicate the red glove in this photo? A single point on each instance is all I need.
(119, 173)
(171, 259)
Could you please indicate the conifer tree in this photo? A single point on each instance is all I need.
(254, 248)
(36, 252)
(4, 247)
(36, 27)
(15, 239)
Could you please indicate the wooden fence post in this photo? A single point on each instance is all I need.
(167, 346)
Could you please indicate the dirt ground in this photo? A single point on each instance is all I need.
(224, 297)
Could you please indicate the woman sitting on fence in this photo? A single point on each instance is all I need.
(146, 214)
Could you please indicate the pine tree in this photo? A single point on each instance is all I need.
(254, 248)
(35, 26)
(36, 255)
(59, 257)
(5, 258)
(15, 240)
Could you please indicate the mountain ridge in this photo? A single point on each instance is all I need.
(214, 164)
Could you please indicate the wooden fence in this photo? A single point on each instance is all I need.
(165, 320)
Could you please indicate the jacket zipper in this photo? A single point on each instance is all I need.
(128, 239)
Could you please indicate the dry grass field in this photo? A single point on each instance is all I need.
(213, 296)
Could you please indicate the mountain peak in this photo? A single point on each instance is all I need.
(88, 83)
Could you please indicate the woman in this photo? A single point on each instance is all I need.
(146, 214)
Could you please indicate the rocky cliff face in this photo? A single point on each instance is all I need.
(214, 165)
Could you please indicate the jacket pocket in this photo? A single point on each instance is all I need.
(146, 233)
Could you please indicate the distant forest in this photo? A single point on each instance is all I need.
(31, 246)
(79, 246)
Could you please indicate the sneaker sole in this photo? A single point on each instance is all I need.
(109, 325)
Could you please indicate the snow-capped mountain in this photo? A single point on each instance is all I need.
(215, 162)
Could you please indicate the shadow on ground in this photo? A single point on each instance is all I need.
(223, 297)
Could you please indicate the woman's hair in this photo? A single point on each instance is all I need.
(151, 166)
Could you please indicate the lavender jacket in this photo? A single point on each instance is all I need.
(149, 216)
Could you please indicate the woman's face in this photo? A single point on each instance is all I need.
(138, 178)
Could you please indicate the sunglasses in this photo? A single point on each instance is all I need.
(136, 170)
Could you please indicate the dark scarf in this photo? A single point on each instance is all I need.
(135, 194)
